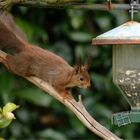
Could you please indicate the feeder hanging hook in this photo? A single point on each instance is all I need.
(134, 4)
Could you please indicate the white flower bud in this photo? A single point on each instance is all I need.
(10, 116)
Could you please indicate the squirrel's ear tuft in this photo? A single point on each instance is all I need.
(86, 66)
(77, 68)
(87, 63)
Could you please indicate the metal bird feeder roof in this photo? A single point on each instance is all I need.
(128, 33)
(126, 67)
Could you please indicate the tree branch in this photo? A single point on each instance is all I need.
(73, 4)
(76, 107)
(38, 3)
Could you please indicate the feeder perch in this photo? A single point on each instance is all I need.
(126, 67)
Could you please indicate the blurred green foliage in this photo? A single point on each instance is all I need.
(68, 33)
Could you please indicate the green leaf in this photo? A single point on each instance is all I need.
(80, 36)
(26, 27)
(52, 134)
(31, 30)
(5, 81)
(2, 138)
(35, 96)
(9, 107)
(76, 18)
(4, 122)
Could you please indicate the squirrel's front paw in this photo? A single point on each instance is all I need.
(66, 95)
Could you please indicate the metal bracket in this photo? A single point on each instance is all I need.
(134, 5)
(109, 5)
(122, 118)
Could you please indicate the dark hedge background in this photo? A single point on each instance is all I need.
(68, 33)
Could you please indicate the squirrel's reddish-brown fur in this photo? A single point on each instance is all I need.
(31, 60)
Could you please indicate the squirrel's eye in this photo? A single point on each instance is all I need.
(81, 78)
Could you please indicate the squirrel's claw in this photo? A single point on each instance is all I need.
(66, 95)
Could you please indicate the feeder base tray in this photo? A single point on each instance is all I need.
(124, 118)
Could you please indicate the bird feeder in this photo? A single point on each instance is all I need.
(126, 67)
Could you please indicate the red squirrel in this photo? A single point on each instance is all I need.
(31, 60)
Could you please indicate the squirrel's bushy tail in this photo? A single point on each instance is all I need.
(10, 35)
